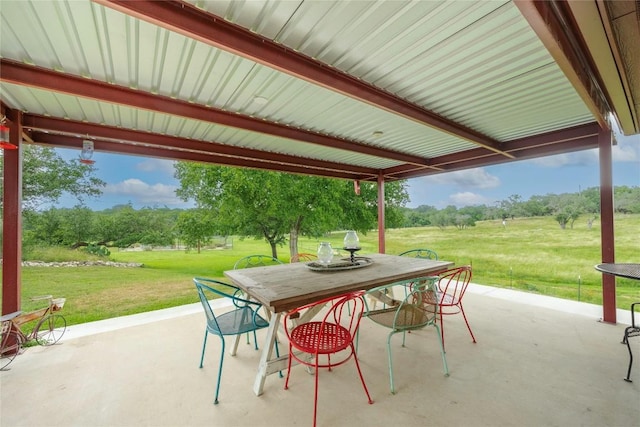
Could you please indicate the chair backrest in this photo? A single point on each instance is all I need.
(302, 257)
(421, 253)
(454, 282)
(256, 261)
(345, 310)
(416, 310)
(211, 289)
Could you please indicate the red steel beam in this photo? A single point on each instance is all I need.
(171, 154)
(575, 138)
(28, 75)
(186, 19)
(585, 143)
(141, 141)
(553, 22)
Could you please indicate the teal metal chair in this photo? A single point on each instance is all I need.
(414, 311)
(243, 318)
(420, 253)
(251, 261)
(256, 261)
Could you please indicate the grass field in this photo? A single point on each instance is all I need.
(531, 254)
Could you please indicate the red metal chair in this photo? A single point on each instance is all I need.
(452, 285)
(303, 257)
(331, 336)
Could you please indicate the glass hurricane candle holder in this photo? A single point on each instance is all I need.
(325, 253)
(351, 240)
(351, 244)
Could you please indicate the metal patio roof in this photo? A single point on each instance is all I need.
(349, 89)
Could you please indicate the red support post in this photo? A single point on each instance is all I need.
(12, 219)
(381, 236)
(606, 226)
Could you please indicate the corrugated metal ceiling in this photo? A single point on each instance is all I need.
(478, 65)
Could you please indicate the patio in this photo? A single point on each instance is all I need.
(538, 361)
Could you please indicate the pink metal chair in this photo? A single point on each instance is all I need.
(331, 336)
(452, 285)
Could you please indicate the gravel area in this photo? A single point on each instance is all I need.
(81, 264)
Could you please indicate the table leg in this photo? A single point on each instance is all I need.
(267, 353)
(234, 347)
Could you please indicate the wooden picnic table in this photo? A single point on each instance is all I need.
(281, 288)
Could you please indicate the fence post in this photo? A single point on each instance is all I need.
(579, 283)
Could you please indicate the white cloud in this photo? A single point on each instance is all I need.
(468, 199)
(156, 165)
(626, 150)
(580, 158)
(469, 178)
(143, 193)
(626, 153)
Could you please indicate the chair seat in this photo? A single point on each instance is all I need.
(447, 299)
(320, 338)
(239, 321)
(404, 318)
(632, 331)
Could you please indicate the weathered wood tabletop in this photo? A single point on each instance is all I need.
(288, 286)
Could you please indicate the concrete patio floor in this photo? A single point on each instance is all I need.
(539, 361)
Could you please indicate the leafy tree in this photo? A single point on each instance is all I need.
(627, 199)
(44, 227)
(196, 227)
(535, 206)
(463, 221)
(77, 225)
(272, 206)
(475, 213)
(512, 206)
(440, 220)
(124, 226)
(46, 176)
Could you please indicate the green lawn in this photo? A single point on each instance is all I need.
(533, 255)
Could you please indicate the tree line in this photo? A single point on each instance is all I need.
(273, 206)
(566, 208)
(123, 226)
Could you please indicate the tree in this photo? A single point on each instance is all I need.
(196, 227)
(627, 199)
(123, 226)
(46, 176)
(272, 205)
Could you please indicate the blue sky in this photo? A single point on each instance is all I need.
(147, 182)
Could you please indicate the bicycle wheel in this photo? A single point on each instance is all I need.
(50, 329)
(10, 346)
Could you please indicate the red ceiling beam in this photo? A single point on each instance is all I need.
(171, 154)
(574, 139)
(586, 143)
(143, 140)
(28, 75)
(553, 22)
(186, 19)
